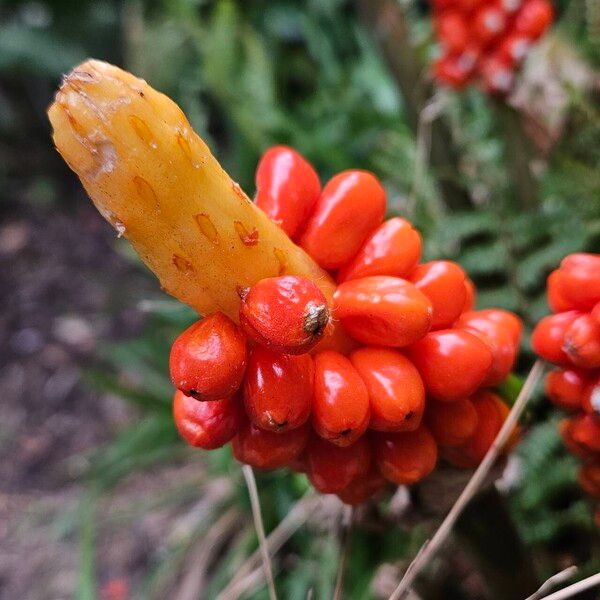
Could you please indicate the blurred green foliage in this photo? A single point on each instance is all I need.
(250, 74)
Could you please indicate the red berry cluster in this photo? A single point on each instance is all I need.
(570, 338)
(416, 377)
(486, 41)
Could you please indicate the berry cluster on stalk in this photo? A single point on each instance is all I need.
(412, 382)
(485, 42)
(570, 339)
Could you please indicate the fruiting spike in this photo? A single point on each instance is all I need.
(155, 180)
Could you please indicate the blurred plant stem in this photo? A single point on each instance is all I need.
(388, 22)
(490, 535)
(519, 153)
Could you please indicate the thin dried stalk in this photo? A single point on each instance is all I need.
(576, 588)
(260, 529)
(347, 526)
(430, 547)
(553, 581)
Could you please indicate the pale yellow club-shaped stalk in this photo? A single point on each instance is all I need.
(157, 183)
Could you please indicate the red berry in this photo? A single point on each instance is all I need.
(579, 283)
(405, 458)
(287, 188)
(443, 282)
(452, 31)
(208, 359)
(332, 468)
(351, 206)
(582, 342)
(488, 23)
(591, 396)
(556, 302)
(513, 49)
(278, 389)
(565, 428)
(585, 431)
(565, 388)
(511, 6)
(206, 425)
(363, 488)
(549, 334)
(500, 331)
(489, 423)
(396, 391)
(596, 313)
(589, 479)
(340, 400)
(452, 363)
(268, 450)
(382, 310)
(288, 314)
(451, 423)
(394, 249)
(452, 71)
(497, 76)
(534, 18)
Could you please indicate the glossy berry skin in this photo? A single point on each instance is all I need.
(287, 188)
(340, 409)
(534, 18)
(278, 389)
(548, 337)
(506, 319)
(565, 428)
(451, 423)
(394, 248)
(396, 390)
(452, 31)
(207, 425)
(585, 431)
(579, 283)
(589, 479)
(287, 314)
(443, 282)
(591, 396)
(268, 450)
(453, 363)
(582, 342)
(405, 458)
(351, 206)
(381, 310)
(208, 359)
(555, 300)
(489, 423)
(363, 488)
(332, 468)
(566, 387)
(501, 337)
(488, 23)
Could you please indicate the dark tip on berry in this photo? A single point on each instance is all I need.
(346, 432)
(242, 292)
(316, 320)
(409, 415)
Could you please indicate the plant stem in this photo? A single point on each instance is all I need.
(347, 526)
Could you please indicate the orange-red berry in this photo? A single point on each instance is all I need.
(451, 423)
(453, 32)
(382, 310)
(332, 468)
(548, 337)
(396, 391)
(363, 488)
(591, 396)
(579, 283)
(288, 314)
(488, 23)
(394, 248)
(452, 362)
(340, 410)
(266, 449)
(206, 425)
(585, 431)
(208, 359)
(287, 188)
(405, 458)
(278, 389)
(534, 18)
(565, 428)
(582, 342)
(443, 282)
(350, 207)
(556, 302)
(566, 387)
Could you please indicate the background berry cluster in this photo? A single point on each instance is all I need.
(485, 42)
(371, 388)
(570, 338)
